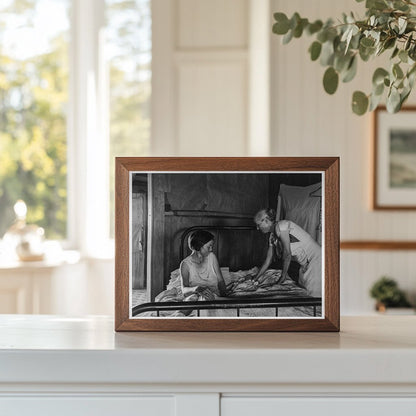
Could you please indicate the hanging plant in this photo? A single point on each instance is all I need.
(389, 27)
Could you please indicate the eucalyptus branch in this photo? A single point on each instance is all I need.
(389, 25)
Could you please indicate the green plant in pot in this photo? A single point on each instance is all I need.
(389, 27)
(387, 294)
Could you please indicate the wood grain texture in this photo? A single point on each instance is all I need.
(328, 165)
(378, 245)
(331, 255)
(122, 248)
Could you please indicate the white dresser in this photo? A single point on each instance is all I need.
(80, 366)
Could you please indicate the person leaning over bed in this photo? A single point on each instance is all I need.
(289, 240)
(200, 271)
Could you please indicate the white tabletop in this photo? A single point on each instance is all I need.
(373, 349)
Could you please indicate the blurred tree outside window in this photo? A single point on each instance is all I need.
(33, 99)
(34, 93)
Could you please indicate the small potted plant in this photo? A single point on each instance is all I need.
(387, 294)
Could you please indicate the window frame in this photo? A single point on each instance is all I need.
(87, 133)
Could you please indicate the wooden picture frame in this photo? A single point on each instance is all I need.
(211, 193)
(394, 158)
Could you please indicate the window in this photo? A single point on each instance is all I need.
(33, 98)
(75, 87)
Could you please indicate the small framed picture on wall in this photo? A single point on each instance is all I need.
(394, 159)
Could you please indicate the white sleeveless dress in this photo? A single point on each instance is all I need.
(204, 276)
(307, 252)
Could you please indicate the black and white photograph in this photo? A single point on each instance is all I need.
(226, 245)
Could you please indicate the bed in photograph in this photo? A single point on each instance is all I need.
(246, 298)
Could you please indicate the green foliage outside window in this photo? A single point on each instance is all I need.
(33, 99)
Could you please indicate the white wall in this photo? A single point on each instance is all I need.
(200, 77)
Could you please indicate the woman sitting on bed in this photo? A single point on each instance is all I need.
(288, 241)
(200, 272)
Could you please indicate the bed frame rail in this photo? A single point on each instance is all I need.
(228, 304)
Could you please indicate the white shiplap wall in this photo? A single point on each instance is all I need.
(200, 77)
(308, 122)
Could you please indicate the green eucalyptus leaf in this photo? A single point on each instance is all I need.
(374, 102)
(379, 75)
(330, 80)
(332, 33)
(400, 5)
(341, 61)
(300, 26)
(367, 42)
(366, 53)
(404, 96)
(281, 26)
(389, 43)
(327, 54)
(315, 50)
(378, 89)
(359, 103)
(412, 70)
(408, 42)
(338, 45)
(382, 19)
(393, 101)
(412, 52)
(387, 82)
(399, 85)
(397, 71)
(322, 36)
(351, 70)
(403, 56)
(294, 21)
(314, 27)
(411, 78)
(288, 37)
(355, 41)
(376, 4)
(395, 52)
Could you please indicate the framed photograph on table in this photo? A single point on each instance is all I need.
(394, 179)
(227, 244)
